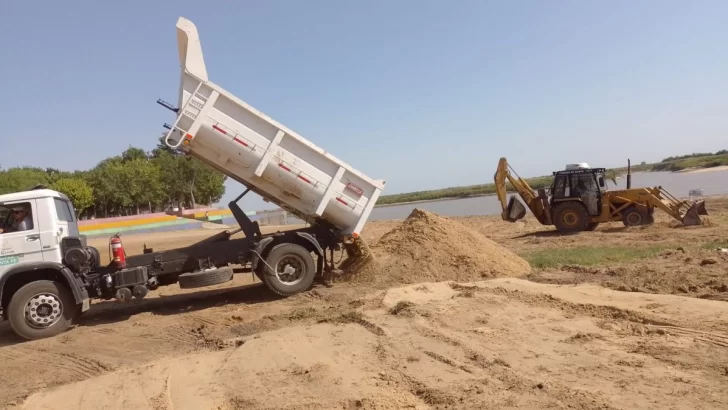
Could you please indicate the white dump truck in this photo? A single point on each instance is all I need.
(49, 275)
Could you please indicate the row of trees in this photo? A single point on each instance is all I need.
(130, 183)
(695, 155)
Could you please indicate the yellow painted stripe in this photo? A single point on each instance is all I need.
(179, 222)
(120, 224)
(198, 215)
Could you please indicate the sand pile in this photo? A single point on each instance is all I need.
(428, 247)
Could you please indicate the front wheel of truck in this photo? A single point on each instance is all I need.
(288, 269)
(41, 309)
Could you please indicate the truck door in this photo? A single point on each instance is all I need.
(19, 246)
(66, 215)
(62, 223)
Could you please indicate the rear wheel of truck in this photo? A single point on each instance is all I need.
(41, 309)
(571, 217)
(288, 269)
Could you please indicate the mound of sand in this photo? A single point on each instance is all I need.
(428, 248)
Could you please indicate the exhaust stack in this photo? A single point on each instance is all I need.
(629, 174)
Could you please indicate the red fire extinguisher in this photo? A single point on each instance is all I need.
(117, 252)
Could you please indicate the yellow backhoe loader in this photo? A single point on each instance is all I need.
(578, 200)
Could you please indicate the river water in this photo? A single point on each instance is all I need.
(676, 183)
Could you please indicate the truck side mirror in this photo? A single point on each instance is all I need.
(601, 181)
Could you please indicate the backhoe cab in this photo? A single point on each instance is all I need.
(578, 200)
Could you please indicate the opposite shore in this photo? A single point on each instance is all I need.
(694, 163)
(701, 170)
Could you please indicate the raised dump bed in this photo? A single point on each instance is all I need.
(272, 160)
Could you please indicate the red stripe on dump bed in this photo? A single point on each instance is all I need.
(342, 201)
(284, 167)
(219, 129)
(304, 178)
(239, 141)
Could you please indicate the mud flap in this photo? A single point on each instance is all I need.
(515, 210)
(691, 217)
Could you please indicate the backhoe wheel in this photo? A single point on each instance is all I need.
(592, 226)
(289, 269)
(571, 217)
(635, 217)
(41, 309)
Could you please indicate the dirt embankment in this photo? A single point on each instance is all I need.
(506, 343)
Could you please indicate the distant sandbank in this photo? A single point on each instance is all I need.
(698, 170)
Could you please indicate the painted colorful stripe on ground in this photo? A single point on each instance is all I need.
(166, 223)
(176, 224)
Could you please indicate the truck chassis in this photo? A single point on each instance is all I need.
(282, 260)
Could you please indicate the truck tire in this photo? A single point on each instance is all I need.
(635, 217)
(294, 267)
(204, 278)
(42, 309)
(570, 217)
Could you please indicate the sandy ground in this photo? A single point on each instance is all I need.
(648, 333)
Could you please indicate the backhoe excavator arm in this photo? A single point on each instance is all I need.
(513, 210)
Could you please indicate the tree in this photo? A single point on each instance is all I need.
(133, 153)
(170, 177)
(126, 183)
(201, 181)
(108, 187)
(21, 179)
(187, 179)
(142, 181)
(163, 148)
(77, 190)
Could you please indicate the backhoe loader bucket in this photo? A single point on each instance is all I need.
(515, 210)
(692, 217)
(701, 207)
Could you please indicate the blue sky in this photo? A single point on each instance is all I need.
(425, 94)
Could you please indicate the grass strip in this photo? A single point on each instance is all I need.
(589, 256)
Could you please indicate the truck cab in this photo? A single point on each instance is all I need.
(39, 295)
(49, 217)
(579, 184)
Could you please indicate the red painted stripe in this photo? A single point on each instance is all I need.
(219, 129)
(304, 178)
(354, 188)
(239, 141)
(284, 167)
(342, 201)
